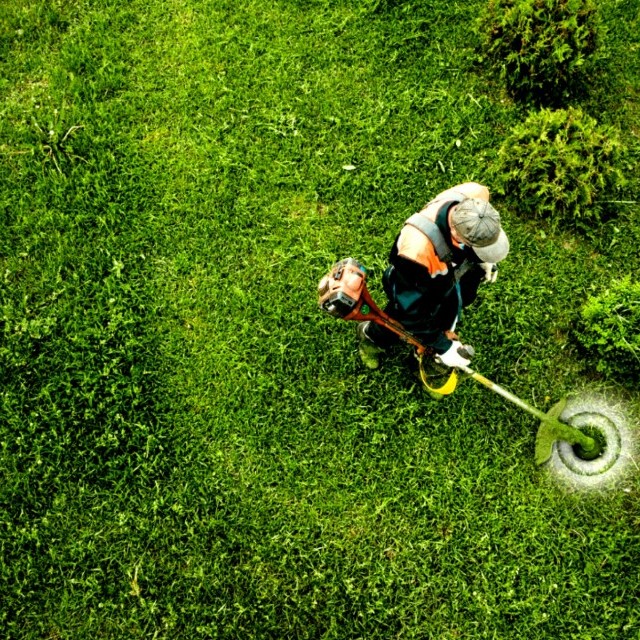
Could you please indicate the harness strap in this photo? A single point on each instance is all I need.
(462, 269)
(431, 230)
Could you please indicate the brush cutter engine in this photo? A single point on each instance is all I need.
(340, 292)
(343, 294)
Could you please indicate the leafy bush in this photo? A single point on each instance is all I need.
(539, 47)
(557, 163)
(609, 328)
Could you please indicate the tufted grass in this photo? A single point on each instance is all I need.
(188, 449)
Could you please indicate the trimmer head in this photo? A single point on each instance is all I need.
(547, 433)
(551, 429)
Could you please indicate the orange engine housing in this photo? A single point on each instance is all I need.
(340, 292)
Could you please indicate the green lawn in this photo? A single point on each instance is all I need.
(188, 447)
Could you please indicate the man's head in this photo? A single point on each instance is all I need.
(477, 224)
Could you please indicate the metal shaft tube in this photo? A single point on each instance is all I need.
(564, 431)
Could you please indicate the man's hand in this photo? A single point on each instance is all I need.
(452, 358)
(490, 271)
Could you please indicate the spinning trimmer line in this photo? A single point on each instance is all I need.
(343, 294)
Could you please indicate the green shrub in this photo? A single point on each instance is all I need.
(558, 164)
(539, 47)
(609, 328)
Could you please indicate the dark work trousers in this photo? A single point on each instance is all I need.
(426, 313)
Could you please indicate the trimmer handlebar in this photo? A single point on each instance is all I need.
(343, 294)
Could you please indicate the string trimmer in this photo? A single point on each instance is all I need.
(343, 294)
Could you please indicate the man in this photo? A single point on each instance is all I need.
(438, 260)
